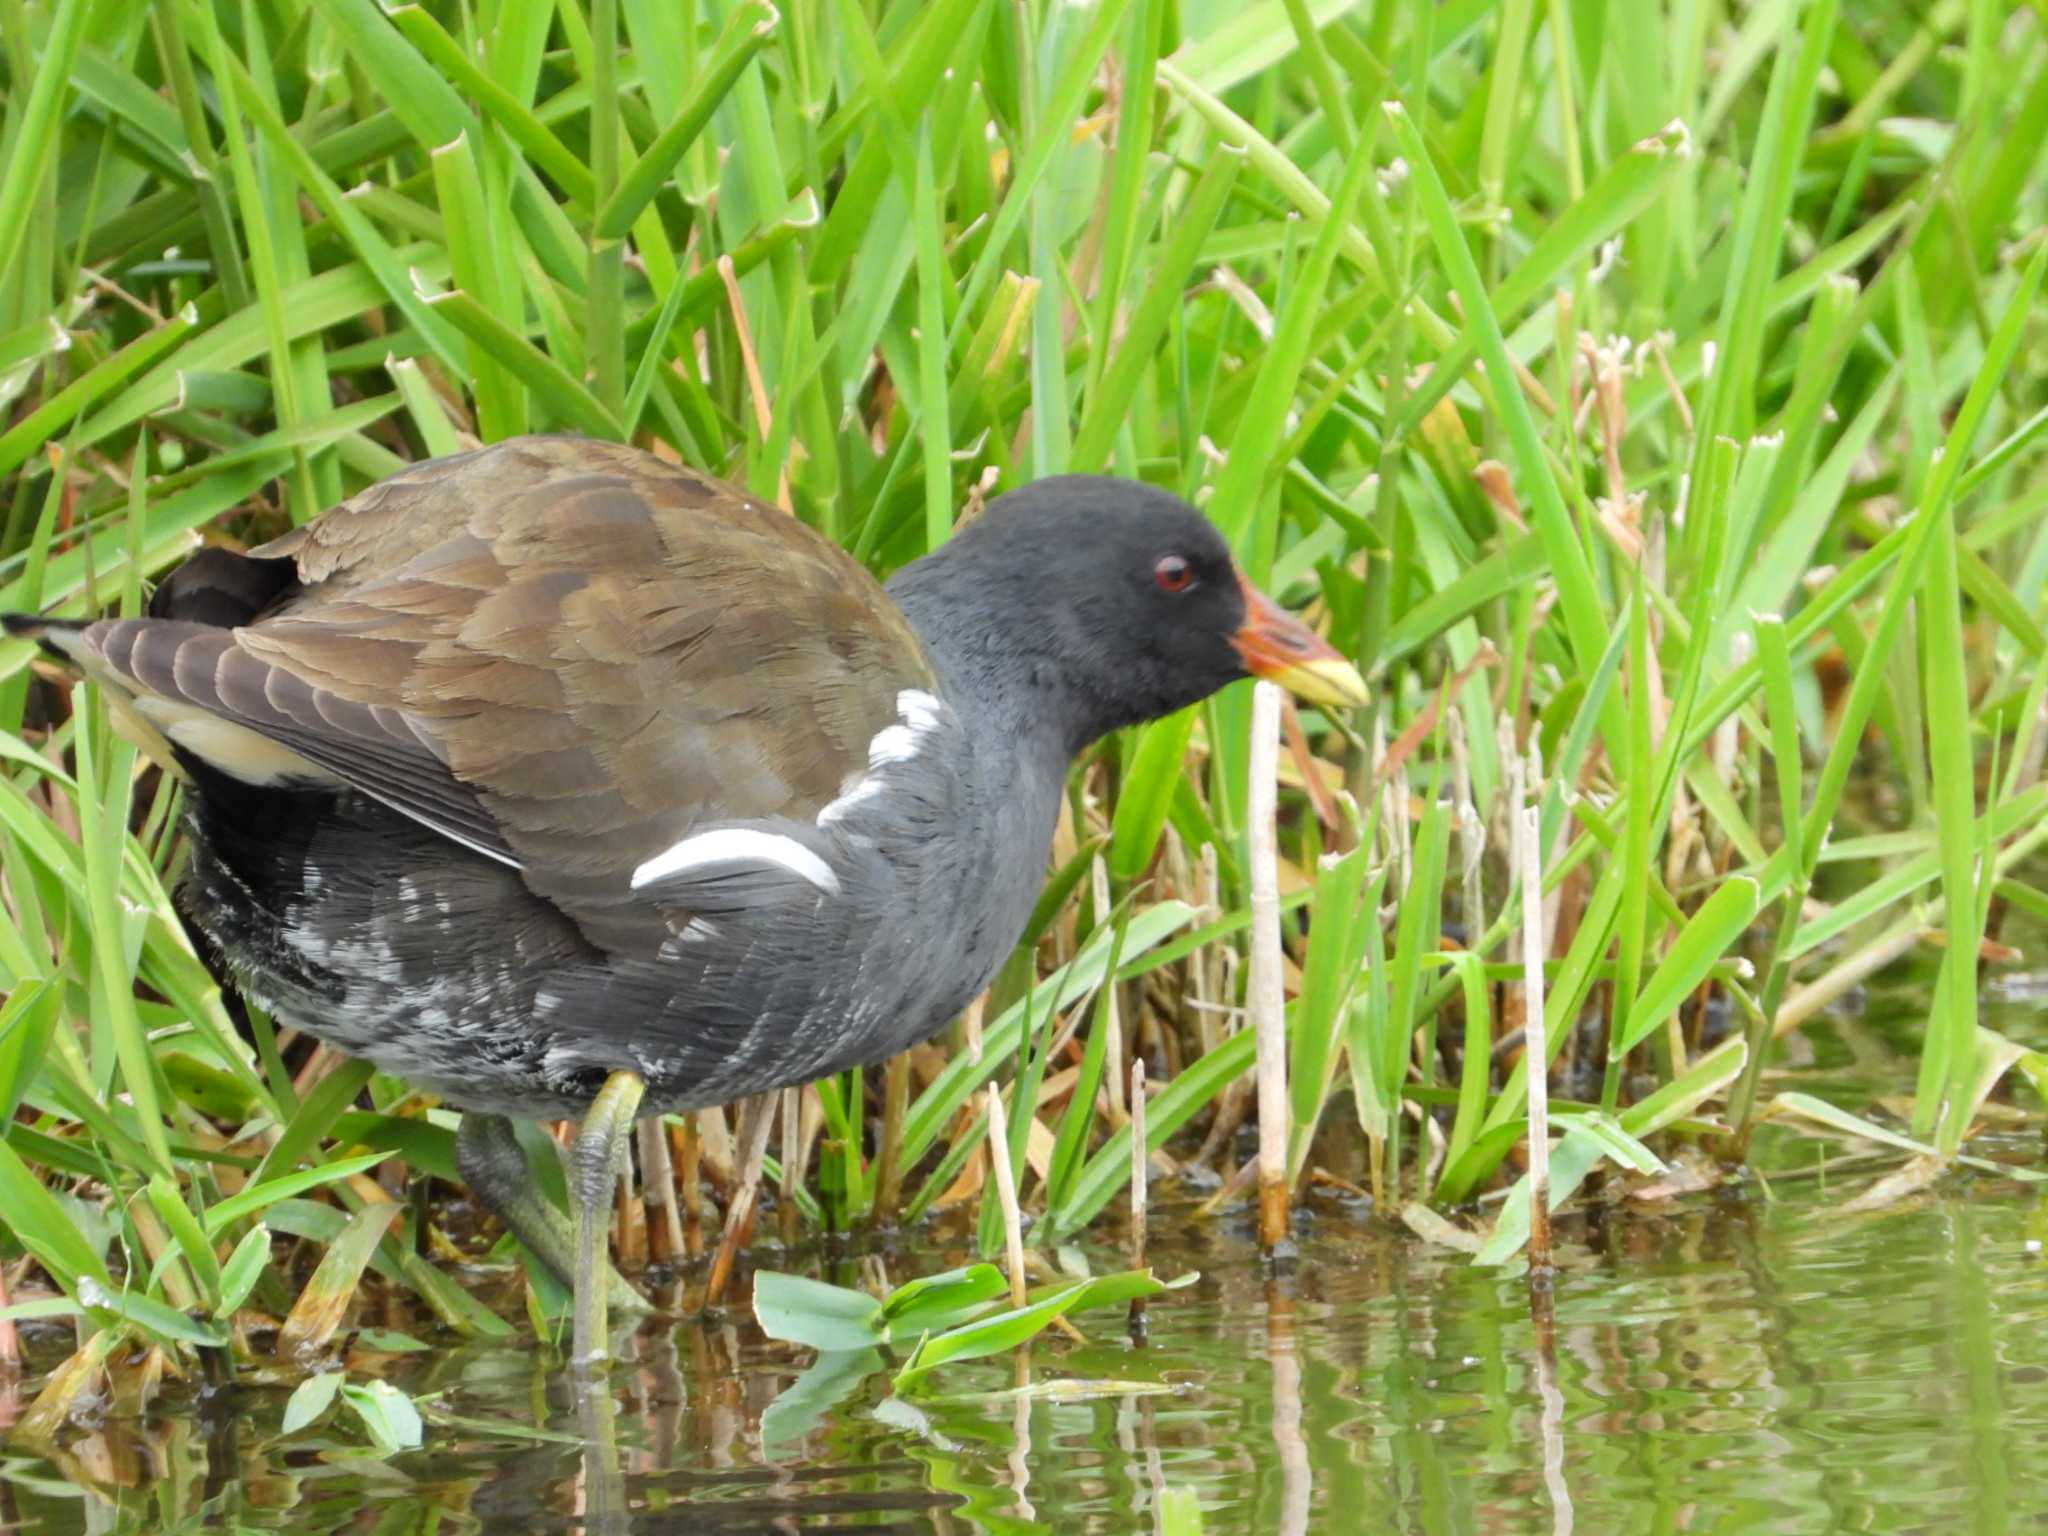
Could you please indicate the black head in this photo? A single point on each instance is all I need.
(1119, 599)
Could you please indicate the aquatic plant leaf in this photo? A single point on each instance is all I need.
(987, 1336)
(1005, 1330)
(178, 1219)
(36, 1218)
(1804, 1106)
(319, 1309)
(804, 1311)
(1119, 1289)
(1570, 1161)
(1676, 1099)
(310, 1399)
(1149, 783)
(935, 1108)
(390, 1341)
(315, 1116)
(1616, 1142)
(938, 1302)
(387, 1413)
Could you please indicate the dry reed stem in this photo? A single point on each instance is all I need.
(757, 1118)
(1006, 1192)
(1471, 832)
(689, 1178)
(658, 1181)
(1112, 1019)
(970, 1022)
(1535, 1054)
(717, 1155)
(10, 1336)
(631, 1241)
(794, 1161)
(895, 1104)
(764, 414)
(1266, 998)
(1139, 1193)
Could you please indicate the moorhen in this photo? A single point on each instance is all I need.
(563, 781)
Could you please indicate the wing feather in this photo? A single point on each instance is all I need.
(564, 654)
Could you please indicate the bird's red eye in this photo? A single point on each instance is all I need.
(1172, 573)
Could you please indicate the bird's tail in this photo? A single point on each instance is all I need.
(54, 635)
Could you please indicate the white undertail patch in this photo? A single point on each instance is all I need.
(233, 749)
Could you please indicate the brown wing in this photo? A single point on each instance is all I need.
(565, 653)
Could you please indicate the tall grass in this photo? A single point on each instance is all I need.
(1652, 403)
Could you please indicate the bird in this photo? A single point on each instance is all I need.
(566, 782)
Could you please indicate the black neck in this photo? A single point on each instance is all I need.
(1008, 666)
(1022, 729)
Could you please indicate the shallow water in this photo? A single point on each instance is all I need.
(1749, 1359)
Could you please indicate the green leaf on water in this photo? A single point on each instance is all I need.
(310, 1399)
(389, 1341)
(987, 1336)
(387, 1414)
(939, 1302)
(1119, 1289)
(1006, 1330)
(805, 1311)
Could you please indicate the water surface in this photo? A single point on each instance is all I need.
(1750, 1358)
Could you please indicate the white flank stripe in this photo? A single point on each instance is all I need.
(738, 845)
(920, 711)
(897, 744)
(866, 789)
(920, 714)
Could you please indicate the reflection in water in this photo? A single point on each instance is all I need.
(1724, 1364)
(1748, 1360)
(1543, 1316)
(1296, 1483)
(1020, 1436)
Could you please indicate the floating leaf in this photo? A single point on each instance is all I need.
(310, 1399)
(941, 1301)
(387, 1413)
(805, 1311)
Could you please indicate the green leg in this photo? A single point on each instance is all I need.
(494, 1167)
(599, 1160)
